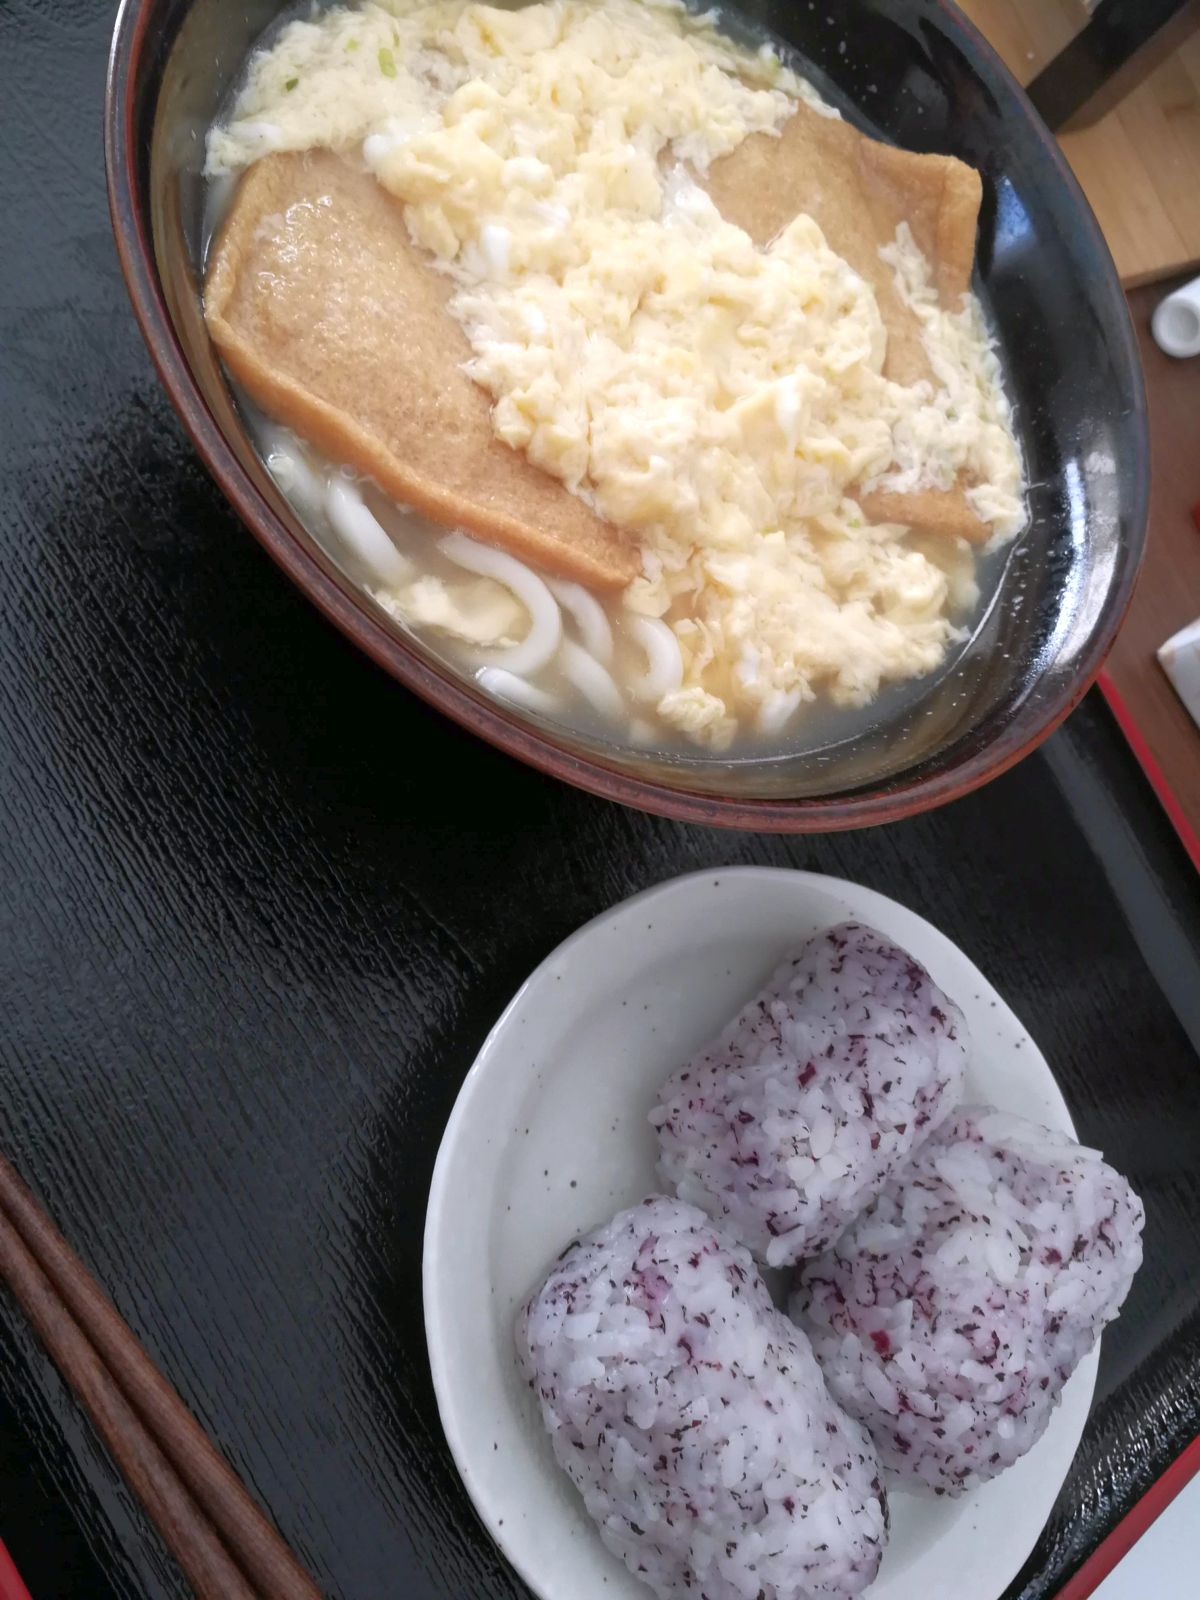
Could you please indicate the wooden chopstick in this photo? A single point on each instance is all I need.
(225, 1545)
(185, 1529)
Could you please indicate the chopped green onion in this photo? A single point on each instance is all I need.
(291, 84)
(353, 44)
(387, 63)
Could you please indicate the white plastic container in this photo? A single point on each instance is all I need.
(1176, 324)
(1180, 660)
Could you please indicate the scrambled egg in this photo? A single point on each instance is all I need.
(478, 611)
(716, 399)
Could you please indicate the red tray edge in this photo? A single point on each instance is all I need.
(11, 1586)
(1136, 741)
(1112, 1550)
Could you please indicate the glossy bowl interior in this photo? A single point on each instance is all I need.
(913, 71)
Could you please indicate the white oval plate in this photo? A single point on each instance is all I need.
(549, 1138)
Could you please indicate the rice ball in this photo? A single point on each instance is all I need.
(790, 1124)
(950, 1316)
(691, 1416)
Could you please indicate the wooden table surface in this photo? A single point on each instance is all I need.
(1139, 165)
(1168, 592)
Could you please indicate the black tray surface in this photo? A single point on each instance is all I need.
(259, 907)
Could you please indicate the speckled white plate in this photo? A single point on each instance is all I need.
(549, 1138)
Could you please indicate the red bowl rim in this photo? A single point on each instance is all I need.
(818, 814)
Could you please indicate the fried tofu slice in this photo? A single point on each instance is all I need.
(859, 191)
(333, 322)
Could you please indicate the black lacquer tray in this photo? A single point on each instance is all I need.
(258, 908)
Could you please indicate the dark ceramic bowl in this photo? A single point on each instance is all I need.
(913, 71)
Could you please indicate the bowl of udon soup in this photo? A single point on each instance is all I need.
(735, 413)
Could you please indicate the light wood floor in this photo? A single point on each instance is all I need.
(1140, 166)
